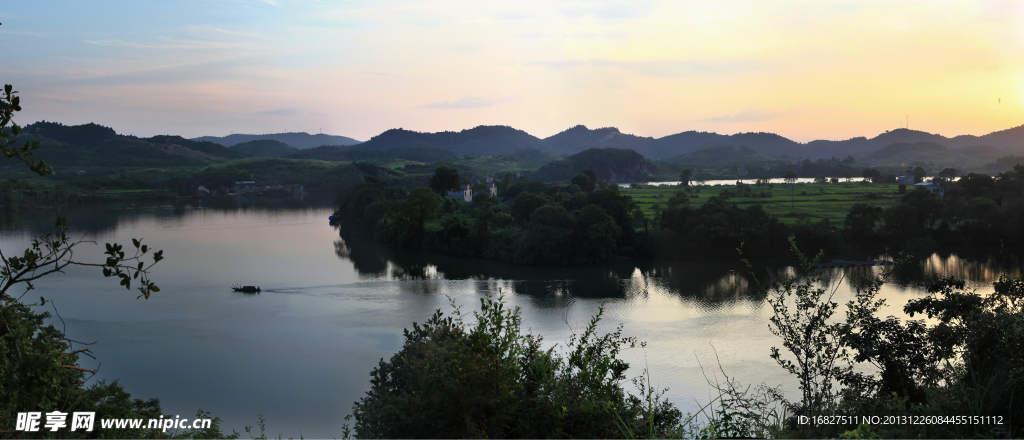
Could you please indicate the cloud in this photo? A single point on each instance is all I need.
(748, 115)
(514, 16)
(531, 35)
(660, 68)
(280, 112)
(470, 101)
(608, 10)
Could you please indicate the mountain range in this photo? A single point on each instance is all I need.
(298, 140)
(500, 140)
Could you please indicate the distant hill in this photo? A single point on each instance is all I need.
(906, 149)
(1006, 141)
(484, 140)
(300, 141)
(208, 148)
(579, 138)
(610, 164)
(336, 153)
(98, 150)
(265, 148)
(84, 134)
(690, 141)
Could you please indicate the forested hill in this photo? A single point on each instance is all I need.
(690, 141)
(264, 148)
(484, 140)
(497, 140)
(300, 141)
(609, 164)
(579, 138)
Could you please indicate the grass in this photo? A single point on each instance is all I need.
(810, 201)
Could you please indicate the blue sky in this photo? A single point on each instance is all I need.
(803, 69)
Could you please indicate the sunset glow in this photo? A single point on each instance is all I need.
(803, 69)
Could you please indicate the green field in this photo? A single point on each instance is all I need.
(807, 201)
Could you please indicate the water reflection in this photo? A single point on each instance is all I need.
(108, 218)
(714, 284)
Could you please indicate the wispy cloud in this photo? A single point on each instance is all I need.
(470, 101)
(167, 43)
(280, 112)
(608, 9)
(748, 115)
(660, 68)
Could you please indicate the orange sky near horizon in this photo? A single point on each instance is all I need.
(803, 69)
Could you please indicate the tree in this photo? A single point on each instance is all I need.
(453, 379)
(548, 238)
(977, 185)
(870, 174)
(802, 318)
(685, 176)
(583, 181)
(445, 178)
(790, 178)
(10, 103)
(919, 174)
(506, 181)
(847, 174)
(861, 220)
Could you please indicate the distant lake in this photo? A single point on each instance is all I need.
(334, 304)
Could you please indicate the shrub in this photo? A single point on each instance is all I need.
(491, 380)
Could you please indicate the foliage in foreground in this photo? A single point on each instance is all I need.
(492, 380)
(966, 362)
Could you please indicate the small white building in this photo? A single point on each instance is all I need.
(467, 192)
(935, 188)
(906, 180)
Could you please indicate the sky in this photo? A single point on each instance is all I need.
(805, 69)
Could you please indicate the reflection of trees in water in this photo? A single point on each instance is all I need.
(980, 270)
(107, 218)
(712, 283)
(546, 284)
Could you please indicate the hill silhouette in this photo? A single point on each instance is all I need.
(297, 140)
(265, 148)
(484, 140)
(96, 140)
(579, 138)
(210, 149)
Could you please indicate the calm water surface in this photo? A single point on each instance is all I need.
(333, 305)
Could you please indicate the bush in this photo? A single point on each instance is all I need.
(452, 380)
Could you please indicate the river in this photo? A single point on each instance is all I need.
(300, 352)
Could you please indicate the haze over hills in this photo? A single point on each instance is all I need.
(297, 140)
(502, 140)
(900, 145)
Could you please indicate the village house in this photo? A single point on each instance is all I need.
(467, 193)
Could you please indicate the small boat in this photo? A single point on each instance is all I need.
(332, 220)
(245, 289)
